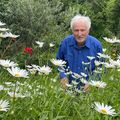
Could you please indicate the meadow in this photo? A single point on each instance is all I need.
(30, 85)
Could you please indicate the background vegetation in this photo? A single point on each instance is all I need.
(48, 21)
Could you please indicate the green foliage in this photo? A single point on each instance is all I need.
(46, 100)
(115, 27)
(49, 20)
(32, 19)
(3, 6)
(44, 20)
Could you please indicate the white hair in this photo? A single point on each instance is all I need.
(80, 17)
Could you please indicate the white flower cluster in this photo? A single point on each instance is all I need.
(114, 40)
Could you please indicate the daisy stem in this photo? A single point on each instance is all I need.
(14, 91)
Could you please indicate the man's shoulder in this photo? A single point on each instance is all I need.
(93, 40)
(69, 37)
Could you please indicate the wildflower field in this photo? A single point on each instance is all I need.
(30, 89)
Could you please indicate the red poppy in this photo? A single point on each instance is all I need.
(28, 50)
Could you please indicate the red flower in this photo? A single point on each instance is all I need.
(28, 50)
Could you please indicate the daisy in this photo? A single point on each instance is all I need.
(36, 67)
(68, 85)
(85, 63)
(4, 105)
(74, 82)
(2, 24)
(115, 63)
(51, 45)
(17, 72)
(76, 76)
(12, 35)
(84, 81)
(33, 68)
(83, 74)
(98, 84)
(104, 109)
(97, 63)
(118, 57)
(113, 40)
(4, 29)
(109, 65)
(97, 71)
(9, 34)
(32, 71)
(58, 62)
(40, 43)
(45, 69)
(104, 49)
(103, 56)
(1, 87)
(7, 63)
(16, 95)
(9, 84)
(3, 35)
(90, 57)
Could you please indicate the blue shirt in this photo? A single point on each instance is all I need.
(74, 55)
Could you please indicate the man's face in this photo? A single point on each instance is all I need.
(80, 31)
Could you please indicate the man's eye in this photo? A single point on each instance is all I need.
(76, 30)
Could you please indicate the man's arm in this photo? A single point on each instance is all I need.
(60, 55)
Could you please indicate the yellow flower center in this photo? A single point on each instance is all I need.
(97, 85)
(17, 75)
(103, 110)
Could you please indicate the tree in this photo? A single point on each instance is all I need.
(116, 18)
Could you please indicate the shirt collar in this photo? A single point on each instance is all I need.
(74, 43)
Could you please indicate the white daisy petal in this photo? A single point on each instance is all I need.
(7, 63)
(4, 105)
(17, 72)
(58, 62)
(98, 84)
(104, 109)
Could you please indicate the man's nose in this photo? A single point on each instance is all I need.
(79, 33)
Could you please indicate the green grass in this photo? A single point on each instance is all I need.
(47, 101)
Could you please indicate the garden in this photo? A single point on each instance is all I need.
(30, 35)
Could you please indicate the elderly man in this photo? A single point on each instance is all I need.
(76, 48)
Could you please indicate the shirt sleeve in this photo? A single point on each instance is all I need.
(60, 55)
(99, 50)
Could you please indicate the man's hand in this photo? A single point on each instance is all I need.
(63, 82)
(86, 88)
